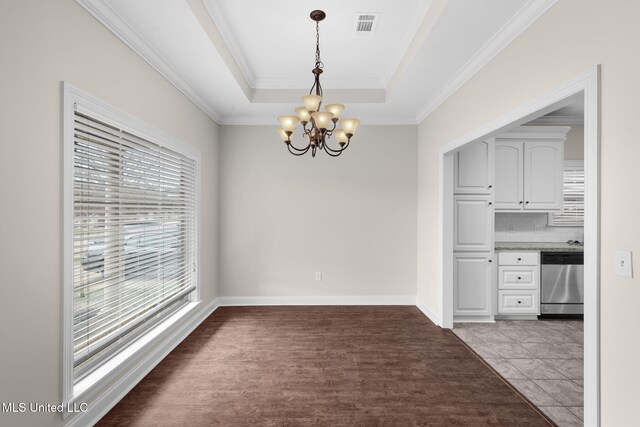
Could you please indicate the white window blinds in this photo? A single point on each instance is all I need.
(134, 237)
(572, 213)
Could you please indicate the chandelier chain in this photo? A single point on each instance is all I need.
(319, 63)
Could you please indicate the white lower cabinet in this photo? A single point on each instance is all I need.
(472, 284)
(518, 277)
(518, 283)
(518, 302)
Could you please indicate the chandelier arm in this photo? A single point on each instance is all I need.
(290, 144)
(298, 153)
(341, 149)
(332, 153)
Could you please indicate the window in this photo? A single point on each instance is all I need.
(130, 225)
(572, 213)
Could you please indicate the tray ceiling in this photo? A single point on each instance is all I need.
(248, 61)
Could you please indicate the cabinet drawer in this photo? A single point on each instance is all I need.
(518, 277)
(518, 258)
(518, 302)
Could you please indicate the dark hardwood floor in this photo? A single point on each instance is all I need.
(330, 365)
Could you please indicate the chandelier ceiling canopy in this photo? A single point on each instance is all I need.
(317, 126)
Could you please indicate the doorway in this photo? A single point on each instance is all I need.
(587, 85)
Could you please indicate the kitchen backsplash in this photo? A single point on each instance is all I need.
(532, 227)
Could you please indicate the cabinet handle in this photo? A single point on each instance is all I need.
(491, 186)
(519, 278)
(490, 203)
(520, 202)
(490, 261)
(519, 302)
(527, 202)
(519, 259)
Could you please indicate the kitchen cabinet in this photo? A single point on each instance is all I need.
(518, 283)
(473, 223)
(528, 168)
(473, 218)
(472, 284)
(509, 174)
(474, 169)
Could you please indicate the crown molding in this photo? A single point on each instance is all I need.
(558, 120)
(118, 26)
(272, 121)
(526, 16)
(412, 35)
(222, 25)
(203, 16)
(429, 21)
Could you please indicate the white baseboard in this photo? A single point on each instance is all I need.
(432, 315)
(109, 398)
(319, 300)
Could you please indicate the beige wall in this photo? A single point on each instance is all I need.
(41, 44)
(569, 39)
(283, 217)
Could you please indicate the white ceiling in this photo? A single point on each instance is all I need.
(249, 61)
(274, 40)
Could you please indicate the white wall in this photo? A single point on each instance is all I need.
(570, 38)
(353, 217)
(574, 144)
(41, 44)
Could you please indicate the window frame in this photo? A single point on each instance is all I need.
(88, 386)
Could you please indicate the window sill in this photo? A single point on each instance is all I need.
(123, 362)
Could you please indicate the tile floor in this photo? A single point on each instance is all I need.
(541, 358)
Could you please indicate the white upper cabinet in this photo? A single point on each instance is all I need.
(473, 168)
(473, 228)
(543, 175)
(528, 168)
(509, 188)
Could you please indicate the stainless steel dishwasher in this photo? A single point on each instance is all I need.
(562, 284)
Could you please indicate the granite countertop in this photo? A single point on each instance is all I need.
(538, 246)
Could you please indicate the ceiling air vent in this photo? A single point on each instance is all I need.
(365, 24)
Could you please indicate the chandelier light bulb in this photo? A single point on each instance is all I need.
(341, 137)
(335, 109)
(303, 114)
(349, 126)
(288, 123)
(322, 120)
(312, 102)
(283, 135)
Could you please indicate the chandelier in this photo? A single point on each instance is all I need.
(317, 126)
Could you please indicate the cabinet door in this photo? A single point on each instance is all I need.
(508, 175)
(543, 175)
(473, 223)
(472, 284)
(473, 168)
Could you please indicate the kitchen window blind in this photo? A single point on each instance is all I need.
(134, 237)
(572, 213)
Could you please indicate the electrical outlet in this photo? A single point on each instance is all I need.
(537, 228)
(318, 276)
(623, 266)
